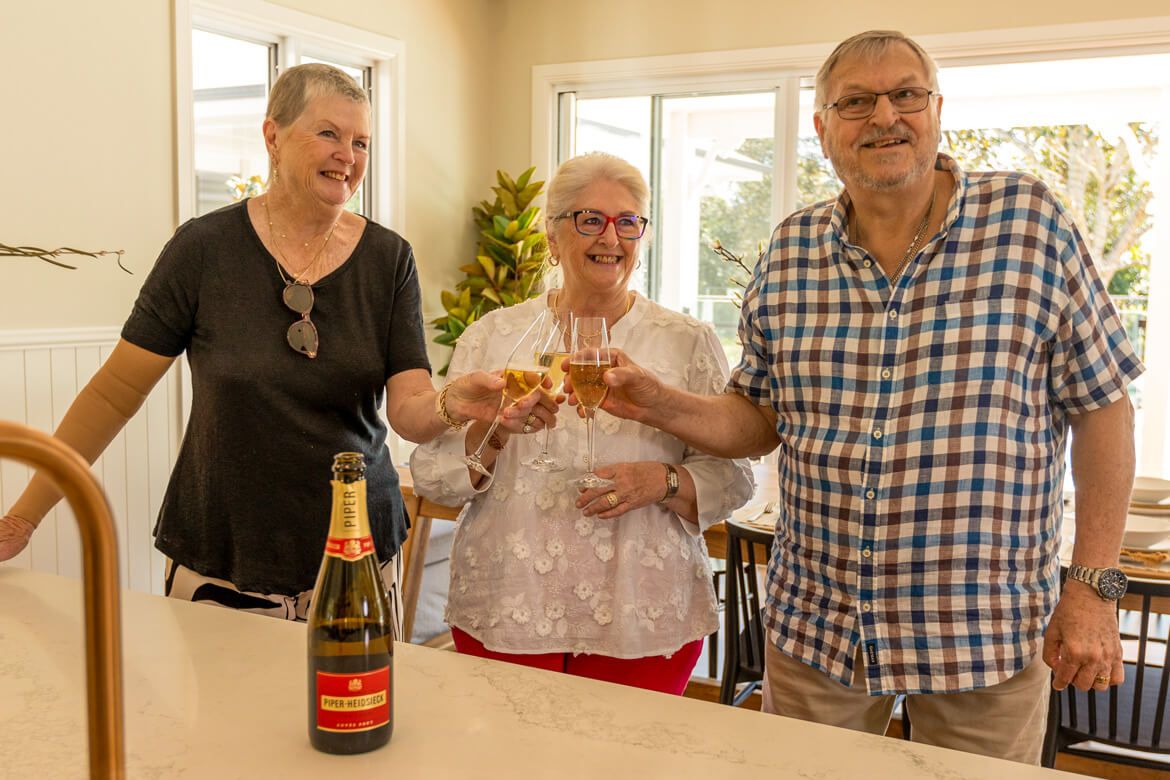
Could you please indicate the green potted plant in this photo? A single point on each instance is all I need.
(510, 259)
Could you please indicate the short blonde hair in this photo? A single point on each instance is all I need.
(871, 45)
(575, 175)
(297, 86)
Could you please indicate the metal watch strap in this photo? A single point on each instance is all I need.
(1084, 574)
(671, 483)
(1109, 583)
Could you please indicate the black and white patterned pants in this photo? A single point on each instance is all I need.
(183, 583)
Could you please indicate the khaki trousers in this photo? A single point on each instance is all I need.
(1004, 721)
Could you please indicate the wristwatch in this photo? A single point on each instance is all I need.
(671, 483)
(1109, 583)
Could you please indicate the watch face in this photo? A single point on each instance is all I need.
(1112, 584)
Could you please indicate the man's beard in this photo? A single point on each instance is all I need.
(850, 170)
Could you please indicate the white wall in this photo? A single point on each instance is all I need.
(88, 134)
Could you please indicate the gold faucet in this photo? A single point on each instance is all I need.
(103, 625)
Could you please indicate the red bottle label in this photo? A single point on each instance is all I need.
(353, 702)
(349, 549)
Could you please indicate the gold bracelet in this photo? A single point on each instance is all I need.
(444, 415)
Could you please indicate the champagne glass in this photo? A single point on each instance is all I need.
(589, 361)
(551, 352)
(522, 374)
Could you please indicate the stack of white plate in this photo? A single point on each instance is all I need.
(1148, 523)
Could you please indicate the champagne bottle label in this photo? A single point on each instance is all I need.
(349, 532)
(353, 702)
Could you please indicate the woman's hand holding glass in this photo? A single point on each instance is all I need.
(523, 375)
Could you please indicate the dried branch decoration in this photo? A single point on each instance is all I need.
(49, 255)
(729, 257)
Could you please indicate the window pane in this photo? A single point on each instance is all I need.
(717, 158)
(230, 78)
(619, 126)
(1091, 130)
(815, 179)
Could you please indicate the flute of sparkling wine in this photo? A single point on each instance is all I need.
(590, 360)
(550, 354)
(522, 380)
(522, 374)
(555, 362)
(588, 382)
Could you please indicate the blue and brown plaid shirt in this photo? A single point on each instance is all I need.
(922, 431)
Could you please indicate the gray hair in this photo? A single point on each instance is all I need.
(299, 85)
(575, 175)
(871, 45)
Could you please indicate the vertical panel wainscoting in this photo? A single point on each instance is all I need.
(41, 373)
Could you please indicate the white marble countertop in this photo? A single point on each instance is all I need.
(212, 693)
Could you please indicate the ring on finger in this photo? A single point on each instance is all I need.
(531, 419)
(527, 428)
(611, 499)
(1102, 679)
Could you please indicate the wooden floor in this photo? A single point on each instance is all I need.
(707, 689)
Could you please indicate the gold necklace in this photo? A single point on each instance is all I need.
(304, 274)
(910, 250)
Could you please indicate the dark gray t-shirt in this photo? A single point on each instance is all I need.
(250, 497)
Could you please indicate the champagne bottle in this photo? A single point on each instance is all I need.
(351, 650)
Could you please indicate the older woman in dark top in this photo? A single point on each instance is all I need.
(297, 317)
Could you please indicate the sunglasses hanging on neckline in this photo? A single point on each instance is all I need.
(302, 334)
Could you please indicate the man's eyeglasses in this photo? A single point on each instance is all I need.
(302, 334)
(593, 223)
(861, 105)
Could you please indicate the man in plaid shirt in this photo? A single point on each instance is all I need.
(918, 349)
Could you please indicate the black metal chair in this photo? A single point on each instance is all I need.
(1132, 715)
(743, 630)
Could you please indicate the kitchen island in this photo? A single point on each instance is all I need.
(211, 693)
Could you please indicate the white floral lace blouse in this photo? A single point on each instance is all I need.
(529, 572)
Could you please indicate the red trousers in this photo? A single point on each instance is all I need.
(654, 673)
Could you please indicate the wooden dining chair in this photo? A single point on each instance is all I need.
(414, 549)
(748, 549)
(1132, 715)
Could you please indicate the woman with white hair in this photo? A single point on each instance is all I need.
(296, 316)
(609, 583)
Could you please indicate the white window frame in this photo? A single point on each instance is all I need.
(783, 67)
(297, 32)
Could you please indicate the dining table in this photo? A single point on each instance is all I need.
(215, 693)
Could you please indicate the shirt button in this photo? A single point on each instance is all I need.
(866, 607)
(870, 493)
(893, 314)
(877, 433)
(867, 263)
(886, 373)
(866, 552)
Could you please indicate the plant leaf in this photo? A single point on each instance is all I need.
(449, 299)
(489, 267)
(522, 181)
